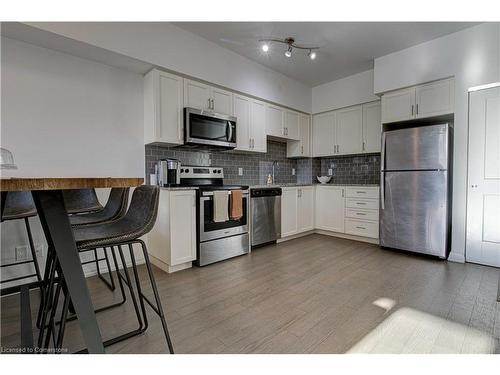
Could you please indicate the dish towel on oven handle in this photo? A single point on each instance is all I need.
(236, 205)
(221, 207)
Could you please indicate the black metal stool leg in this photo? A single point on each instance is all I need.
(32, 248)
(158, 308)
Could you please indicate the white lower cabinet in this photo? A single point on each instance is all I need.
(361, 212)
(289, 211)
(305, 208)
(330, 205)
(297, 210)
(172, 241)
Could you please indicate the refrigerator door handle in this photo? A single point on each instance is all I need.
(382, 179)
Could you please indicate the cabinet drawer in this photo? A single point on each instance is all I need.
(362, 192)
(361, 228)
(354, 213)
(370, 204)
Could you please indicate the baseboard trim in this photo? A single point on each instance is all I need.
(167, 267)
(348, 236)
(456, 257)
(294, 236)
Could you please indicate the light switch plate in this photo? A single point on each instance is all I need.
(293, 171)
(330, 171)
(240, 171)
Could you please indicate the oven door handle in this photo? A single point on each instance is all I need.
(211, 193)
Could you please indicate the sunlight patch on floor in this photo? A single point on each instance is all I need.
(411, 331)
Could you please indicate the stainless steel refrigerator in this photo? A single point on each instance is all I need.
(415, 189)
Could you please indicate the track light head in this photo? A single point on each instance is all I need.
(311, 54)
(288, 52)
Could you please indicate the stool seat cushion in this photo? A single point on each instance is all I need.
(18, 205)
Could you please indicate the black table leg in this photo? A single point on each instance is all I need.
(55, 223)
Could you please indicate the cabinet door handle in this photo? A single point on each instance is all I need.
(338, 149)
(302, 150)
(342, 193)
(416, 112)
(253, 142)
(412, 109)
(363, 145)
(213, 104)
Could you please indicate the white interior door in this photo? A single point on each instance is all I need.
(483, 198)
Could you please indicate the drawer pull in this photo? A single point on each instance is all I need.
(360, 214)
(361, 203)
(360, 227)
(361, 192)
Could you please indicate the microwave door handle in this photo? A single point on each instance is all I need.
(229, 125)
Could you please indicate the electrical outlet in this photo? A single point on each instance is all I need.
(21, 253)
(240, 171)
(293, 171)
(39, 250)
(330, 171)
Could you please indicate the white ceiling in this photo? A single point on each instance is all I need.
(346, 47)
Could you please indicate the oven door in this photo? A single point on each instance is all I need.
(209, 128)
(210, 230)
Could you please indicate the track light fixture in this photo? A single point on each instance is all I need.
(290, 42)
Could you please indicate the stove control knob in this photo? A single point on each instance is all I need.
(186, 170)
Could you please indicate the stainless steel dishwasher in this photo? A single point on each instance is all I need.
(265, 210)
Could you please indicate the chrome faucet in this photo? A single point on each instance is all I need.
(275, 164)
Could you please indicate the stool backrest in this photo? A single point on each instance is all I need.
(143, 208)
(81, 200)
(116, 206)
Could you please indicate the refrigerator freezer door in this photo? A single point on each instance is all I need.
(415, 213)
(420, 148)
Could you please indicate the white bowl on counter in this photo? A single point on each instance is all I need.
(324, 179)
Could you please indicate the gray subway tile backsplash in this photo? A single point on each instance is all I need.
(358, 169)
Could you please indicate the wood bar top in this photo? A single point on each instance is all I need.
(63, 183)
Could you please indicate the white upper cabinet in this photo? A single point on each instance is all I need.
(202, 96)
(301, 148)
(250, 124)
(291, 129)
(258, 126)
(241, 111)
(197, 95)
(435, 99)
(222, 101)
(372, 127)
(163, 108)
(349, 130)
(398, 105)
(323, 134)
(427, 100)
(275, 121)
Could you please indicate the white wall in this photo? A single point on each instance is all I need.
(472, 56)
(171, 47)
(352, 90)
(66, 116)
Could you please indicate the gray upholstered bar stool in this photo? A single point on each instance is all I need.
(115, 208)
(19, 205)
(126, 231)
(78, 201)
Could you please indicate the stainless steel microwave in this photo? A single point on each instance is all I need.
(209, 128)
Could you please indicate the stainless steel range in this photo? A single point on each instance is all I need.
(216, 240)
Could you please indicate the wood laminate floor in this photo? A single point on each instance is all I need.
(315, 294)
